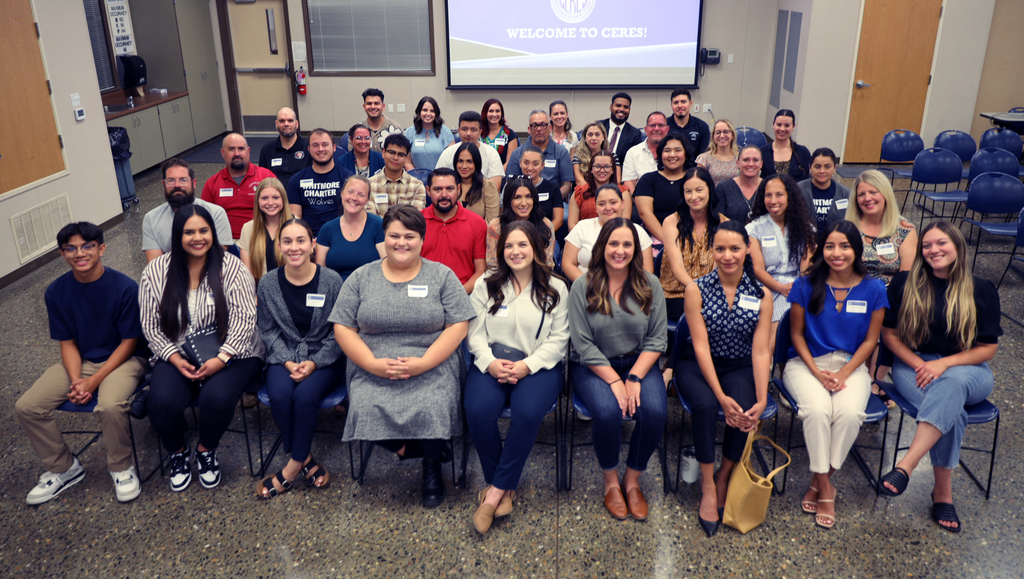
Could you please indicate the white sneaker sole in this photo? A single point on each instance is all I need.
(124, 498)
(66, 486)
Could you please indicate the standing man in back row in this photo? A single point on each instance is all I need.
(380, 125)
(622, 136)
(314, 194)
(691, 127)
(287, 154)
(234, 186)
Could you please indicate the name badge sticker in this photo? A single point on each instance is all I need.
(857, 306)
(549, 163)
(543, 196)
(502, 312)
(749, 302)
(315, 300)
(305, 183)
(276, 162)
(501, 141)
(769, 241)
(419, 143)
(209, 299)
(417, 291)
(842, 204)
(886, 249)
(380, 198)
(227, 192)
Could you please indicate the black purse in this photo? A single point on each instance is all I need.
(202, 345)
(503, 352)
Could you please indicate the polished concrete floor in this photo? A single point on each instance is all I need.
(379, 529)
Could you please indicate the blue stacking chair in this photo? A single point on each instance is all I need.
(338, 396)
(771, 408)
(1005, 139)
(876, 412)
(980, 413)
(961, 143)
(421, 174)
(938, 168)
(1013, 254)
(657, 271)
(749, 136)
(343, 143)
(900, 146)
(993, 193)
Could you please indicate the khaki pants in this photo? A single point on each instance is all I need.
(35, 411)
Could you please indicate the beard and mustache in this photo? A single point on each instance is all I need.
(179, 197)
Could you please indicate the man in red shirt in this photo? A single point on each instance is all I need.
(456, 236)
(234, 186)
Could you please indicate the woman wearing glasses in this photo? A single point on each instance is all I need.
(360, 160)
(720, 159)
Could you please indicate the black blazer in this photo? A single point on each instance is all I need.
(629, 137)
(798, 170)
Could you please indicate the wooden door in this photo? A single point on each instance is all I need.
(199, 54)
(30, 148)
(897, 42)
(261, 62)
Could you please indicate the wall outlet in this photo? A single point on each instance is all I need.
(730, 59)
(391, 108)
(401, 107)
(695, 109)
(707, 107)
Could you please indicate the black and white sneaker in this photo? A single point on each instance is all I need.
(181, 470)
(209, 468)
(52, 484)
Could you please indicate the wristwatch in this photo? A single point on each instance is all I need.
(224, 358)
(634, 378)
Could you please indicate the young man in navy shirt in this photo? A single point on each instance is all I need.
(94, 314)
(314, 194)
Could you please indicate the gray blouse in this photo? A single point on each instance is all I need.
(278, 331)
(597, 337)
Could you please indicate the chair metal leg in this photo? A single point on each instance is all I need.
(1009, 262)
(991, 465)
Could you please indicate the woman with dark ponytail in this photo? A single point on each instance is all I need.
(727, 362)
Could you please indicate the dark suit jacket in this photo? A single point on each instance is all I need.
(629, 137)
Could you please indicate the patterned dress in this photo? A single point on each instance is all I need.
(730, 331)
(697, 260)
(881, 260)
(720, 170)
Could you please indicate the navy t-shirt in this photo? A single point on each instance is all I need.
(318, 194)
(344, 256)
(96, 315)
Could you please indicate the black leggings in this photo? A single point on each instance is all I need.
(736, 377)
(432, 448)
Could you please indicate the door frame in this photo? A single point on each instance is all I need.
(230, 74)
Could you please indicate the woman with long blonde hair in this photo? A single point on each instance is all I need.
(942, 326)
(258, 241)
(720, 159)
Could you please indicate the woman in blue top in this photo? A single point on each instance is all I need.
(428, 135)
(836, 316)
(356, 238)
(727, 363)
(361, 160)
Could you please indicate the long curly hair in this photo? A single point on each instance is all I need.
(637, 286)
(544, 295)
(798, 219)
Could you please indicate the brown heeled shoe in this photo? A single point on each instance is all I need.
(616, 504)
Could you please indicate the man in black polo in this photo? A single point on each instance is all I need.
(288, 154)
(690, 126)
(622, 136)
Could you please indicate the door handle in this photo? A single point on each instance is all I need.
(862, 84)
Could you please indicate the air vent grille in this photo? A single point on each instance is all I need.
(35, 230)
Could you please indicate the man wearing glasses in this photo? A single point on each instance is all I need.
(234, 186)
(394, 186)
(470, 124)
(642, 158)
(314, 194)
(94, 313)
(557, 163)
(179, 189)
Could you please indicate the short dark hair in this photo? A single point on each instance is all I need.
(399, 140)
(681, 91)
(87, 231)
(373, 92)
(176, 162)
(622, 95)
(824, 152)
(441, 172)
(532, 149)
(322, 131)
(408, 216)
(470, 117)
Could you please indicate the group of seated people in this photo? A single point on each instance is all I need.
(344, 278)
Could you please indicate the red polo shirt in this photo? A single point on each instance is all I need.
(456, 242)
(237, 200)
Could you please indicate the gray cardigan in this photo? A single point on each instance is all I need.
(834, 212)
(278, 331)
(597, 337)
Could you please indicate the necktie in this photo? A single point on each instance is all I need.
(615, 137)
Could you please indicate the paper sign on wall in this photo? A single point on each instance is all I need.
(120, 27)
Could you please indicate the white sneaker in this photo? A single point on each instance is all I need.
(52, 484)
(126, 484)
(208, 467)
(181, 469)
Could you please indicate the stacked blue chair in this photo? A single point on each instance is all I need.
(938, 168)
(1005, 139)
(899, 146)
(960, 143)
(750, 136)
(994, 193)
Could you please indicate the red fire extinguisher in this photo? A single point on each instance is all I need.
(300, 80)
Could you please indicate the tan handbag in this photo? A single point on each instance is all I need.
(746, 503)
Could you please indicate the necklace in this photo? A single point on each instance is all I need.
(839, 302)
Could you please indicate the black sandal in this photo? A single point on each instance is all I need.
(312, 471)
(883, 396)
(898, 478)
(271, 489)
(946, 513)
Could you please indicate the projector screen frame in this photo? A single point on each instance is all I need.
(698, 67)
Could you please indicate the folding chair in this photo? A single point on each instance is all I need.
(899, 146)
(962, 145)
(938, 168)
(1005, 139)
(993, 193)
(749, 136)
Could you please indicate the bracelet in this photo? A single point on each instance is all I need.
(615, 380)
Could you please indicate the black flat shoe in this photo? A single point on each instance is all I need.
(433, 483)
(945, 513)
(710, 527)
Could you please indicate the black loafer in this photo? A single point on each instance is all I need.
(433, 483)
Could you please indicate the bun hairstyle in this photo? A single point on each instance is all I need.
(748, 262)
(818, 271)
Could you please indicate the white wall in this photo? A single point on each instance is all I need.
(89, 180)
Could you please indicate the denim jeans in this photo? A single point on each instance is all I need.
(942, 402)
(604, 408)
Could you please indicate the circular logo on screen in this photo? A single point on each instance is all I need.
(572, 11)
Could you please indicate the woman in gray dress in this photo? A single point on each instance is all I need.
(400, 321)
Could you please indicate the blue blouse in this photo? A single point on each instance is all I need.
(832, 331)
(347, 160)
(427, 145)
(730, 331)
(344, 256)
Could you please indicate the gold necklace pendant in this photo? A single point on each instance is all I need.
(839, 307)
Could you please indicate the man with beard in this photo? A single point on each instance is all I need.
(690, 126)
(314, 194)
(286, 155)
(642, 158)
(557, 162)
(456, 236)
(622, 136)
(234, 186)
(179, 189)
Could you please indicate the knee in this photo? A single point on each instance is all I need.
(24, 408)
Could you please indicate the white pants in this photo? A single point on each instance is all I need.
(831, 419)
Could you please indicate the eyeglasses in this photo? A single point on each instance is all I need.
(360, 138)
(657, 125)
(70, 250)
(180, 181)
(717, 133)
(537, 126)
(396, 154)
(601, 167)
